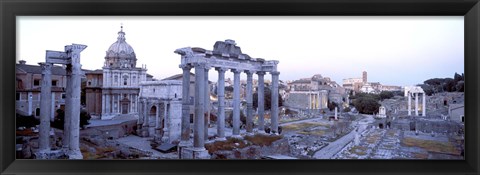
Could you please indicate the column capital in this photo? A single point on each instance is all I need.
(236, 71)
(260, 73)
(275, 73)
(185, 66)
(199, 65)
(46, 67)
(221, 69)
(249, 72)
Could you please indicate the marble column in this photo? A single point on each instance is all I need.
(274, 111)
(45, 107)
(236, 102)
(199, 123)
(309, 101)
(424, 105)
(167, 116)
(409, 108)
(157, 119)
(68, 106)
(336, 113)
(77, 74)
(261, 102)
(249, 95)
(416, 104)
(185, 137)
(145, 126)
(206, 103)
(103, 104)
(221, 104)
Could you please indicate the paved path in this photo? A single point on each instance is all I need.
(143, 144)
(334, 147)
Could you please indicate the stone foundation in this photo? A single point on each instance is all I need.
(194, 153)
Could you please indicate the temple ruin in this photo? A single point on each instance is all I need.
(226, 55)
(71, 59)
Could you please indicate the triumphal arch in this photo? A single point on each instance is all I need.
(225, 56)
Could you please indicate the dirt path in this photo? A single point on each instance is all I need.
(334, 147)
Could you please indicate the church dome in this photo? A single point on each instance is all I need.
(120, 53)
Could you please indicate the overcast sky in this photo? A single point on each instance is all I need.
(393, 50)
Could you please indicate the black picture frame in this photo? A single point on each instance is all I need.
(9, 9)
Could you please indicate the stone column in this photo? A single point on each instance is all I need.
(145, 124)
(185, 106)
(221, 104)
(45, 107)
(166, 114)
(76, 92)
(206, 103)
(236, 103)
(157, 118)
(336, 115)
(249, 96)
(199, 123)
(424, 105)
(416, 104)
(140, 117)
(30, 103)
(68, 110)
(309, 100)
(261, 102)
(274, 111)
(409, 103)
(103, 104)
(52, 113)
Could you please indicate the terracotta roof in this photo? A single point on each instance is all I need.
(36, 69)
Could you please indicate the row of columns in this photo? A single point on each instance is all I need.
(160, 120)
(409, 96)
(202, 102)
(109, 99)
(72, 110)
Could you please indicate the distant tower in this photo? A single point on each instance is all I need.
(364, 77)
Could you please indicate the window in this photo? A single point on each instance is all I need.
(36, 82)
(63, 96)
(463, 119)
(54, 82)
(18, 96)
(116, 79)
(124, 81)
(89, 83)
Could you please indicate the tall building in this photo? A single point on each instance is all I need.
(121, 79)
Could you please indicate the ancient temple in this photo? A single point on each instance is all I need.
(121, 79)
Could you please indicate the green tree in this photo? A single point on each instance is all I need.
(386, 95)
(366, 104)
(267, 99)
(59, 120)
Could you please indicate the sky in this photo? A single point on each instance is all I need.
(397, 50)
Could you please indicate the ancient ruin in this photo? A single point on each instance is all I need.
(226, 55)
(71, 58)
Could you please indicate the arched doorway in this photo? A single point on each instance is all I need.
(152, 116)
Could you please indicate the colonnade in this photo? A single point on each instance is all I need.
(70, 58)
(415, 94)
(202, 96)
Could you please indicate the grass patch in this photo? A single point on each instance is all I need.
(314, 132)
(298, 126)
(373, 138)
(229, 144)
(26, 132)
(431, 146)
(263, 140)
(420, 156)
(359, 150)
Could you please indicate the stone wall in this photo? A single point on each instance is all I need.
(296, 100)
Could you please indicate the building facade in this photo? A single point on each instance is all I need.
(121, 79)
(28, 87)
